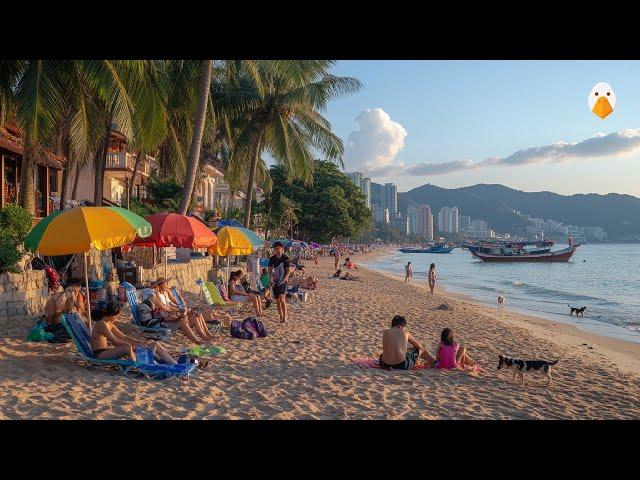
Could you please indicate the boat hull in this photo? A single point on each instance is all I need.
(427, 250)
(559, 256)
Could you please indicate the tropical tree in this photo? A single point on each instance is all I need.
(196, 139)
(282, 117)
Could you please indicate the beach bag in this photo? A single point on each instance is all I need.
(52, 277)
(254, 326)
(237, 331)
(144, 355)
(38, 333)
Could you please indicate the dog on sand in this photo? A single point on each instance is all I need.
(522, 366)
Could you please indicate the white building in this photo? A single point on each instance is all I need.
(425, 222)
(390, 197)
(448, 220)
(380, 215)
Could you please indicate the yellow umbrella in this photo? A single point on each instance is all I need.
(79, 229)
(234, 241)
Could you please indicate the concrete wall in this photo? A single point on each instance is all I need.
(22, 297)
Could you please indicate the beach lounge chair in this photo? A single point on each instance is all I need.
(156, 333)
(81, 338)
(214, 298)
(178, 298)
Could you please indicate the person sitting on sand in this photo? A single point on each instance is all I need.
(450, 354)
(337, 274)
(394, 347)
(349, 264)
(237, 293)
(69, 300)
(105, 332)
(212, 313)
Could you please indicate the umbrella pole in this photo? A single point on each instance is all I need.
(228, 267)
(165, 262)
(86, 284)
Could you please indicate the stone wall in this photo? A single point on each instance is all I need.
(95, 260)
(22, 297)
(182, 274)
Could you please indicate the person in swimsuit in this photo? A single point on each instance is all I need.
(432, 277)
(408, 272)
(71, 300)
(394, 347)
(195, 317)
(450, 354)
(105, 332)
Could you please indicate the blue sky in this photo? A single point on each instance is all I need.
(455, 111)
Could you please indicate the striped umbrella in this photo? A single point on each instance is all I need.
(78, 229)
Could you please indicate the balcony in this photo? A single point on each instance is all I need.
(126, 161)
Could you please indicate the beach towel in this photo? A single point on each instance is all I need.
(373, 362)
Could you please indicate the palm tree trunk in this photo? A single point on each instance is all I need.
(66, 172)
(133, 177)
(196, 140)
(252, 176)
(27, 197)
(74, 192)
(101, 160)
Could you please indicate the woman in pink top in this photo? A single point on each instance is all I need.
(450, 354)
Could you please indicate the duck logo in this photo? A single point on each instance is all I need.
(602, 99)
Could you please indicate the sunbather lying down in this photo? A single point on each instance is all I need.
(309, 283)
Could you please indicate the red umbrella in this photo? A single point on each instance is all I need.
(174, 230)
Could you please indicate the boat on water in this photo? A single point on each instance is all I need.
(431, 249)
(518, 252)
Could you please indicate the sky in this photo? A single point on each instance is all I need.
(523, 124)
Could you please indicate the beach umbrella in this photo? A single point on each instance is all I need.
(78, 229)
(314, 245)
(175, 230)
(296, 244)
(228, 223)
(235, 241)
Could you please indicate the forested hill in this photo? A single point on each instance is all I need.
(618, 214)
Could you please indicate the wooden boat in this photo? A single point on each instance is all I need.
(432, 249)
(521, 255)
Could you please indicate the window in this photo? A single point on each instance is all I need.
(53, 181)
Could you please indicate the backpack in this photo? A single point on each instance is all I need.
(255, 326)
(238, 332)
(249, 329)
(52, 277)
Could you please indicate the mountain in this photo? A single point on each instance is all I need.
(618, 214)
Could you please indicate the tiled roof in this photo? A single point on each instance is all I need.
(9, 140)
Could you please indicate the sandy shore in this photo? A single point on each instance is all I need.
(275, 378)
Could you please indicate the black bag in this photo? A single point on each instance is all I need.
(60, 334)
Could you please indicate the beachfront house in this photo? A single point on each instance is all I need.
(47, 174)
(119, 170)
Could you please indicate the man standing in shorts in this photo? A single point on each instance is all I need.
(279, 270)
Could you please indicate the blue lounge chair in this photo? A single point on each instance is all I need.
(80, 336)
(156, 332)
(178, 298)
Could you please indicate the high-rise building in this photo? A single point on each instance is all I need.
(455, 220)
(465, 222)
(356, 178)
(380, 215)
(448, 220)
(424, 222)
(366, 190)
(400, 223)
(412, 216)
(390, 198)
(376, 194)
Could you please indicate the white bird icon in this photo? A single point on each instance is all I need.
(602, 99)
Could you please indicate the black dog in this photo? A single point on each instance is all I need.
(577, 310)
(522, 366)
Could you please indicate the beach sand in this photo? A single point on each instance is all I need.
(276, 378)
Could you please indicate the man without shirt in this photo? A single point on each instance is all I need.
(394, 347)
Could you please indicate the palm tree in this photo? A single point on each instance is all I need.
(284, 119)
(289, 214)
(196, 139)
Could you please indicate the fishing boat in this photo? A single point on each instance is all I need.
(438, 248)
(518, 252)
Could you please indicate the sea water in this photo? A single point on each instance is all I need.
(603, 277)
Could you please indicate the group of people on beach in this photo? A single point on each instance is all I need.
(431, 275)
(395, 353)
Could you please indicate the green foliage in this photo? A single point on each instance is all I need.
(15, 223)
(164, 196)
(334, 207)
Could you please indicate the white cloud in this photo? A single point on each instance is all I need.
(615, 144)
(373, 148)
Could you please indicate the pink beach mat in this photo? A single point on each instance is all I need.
(369, 362)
